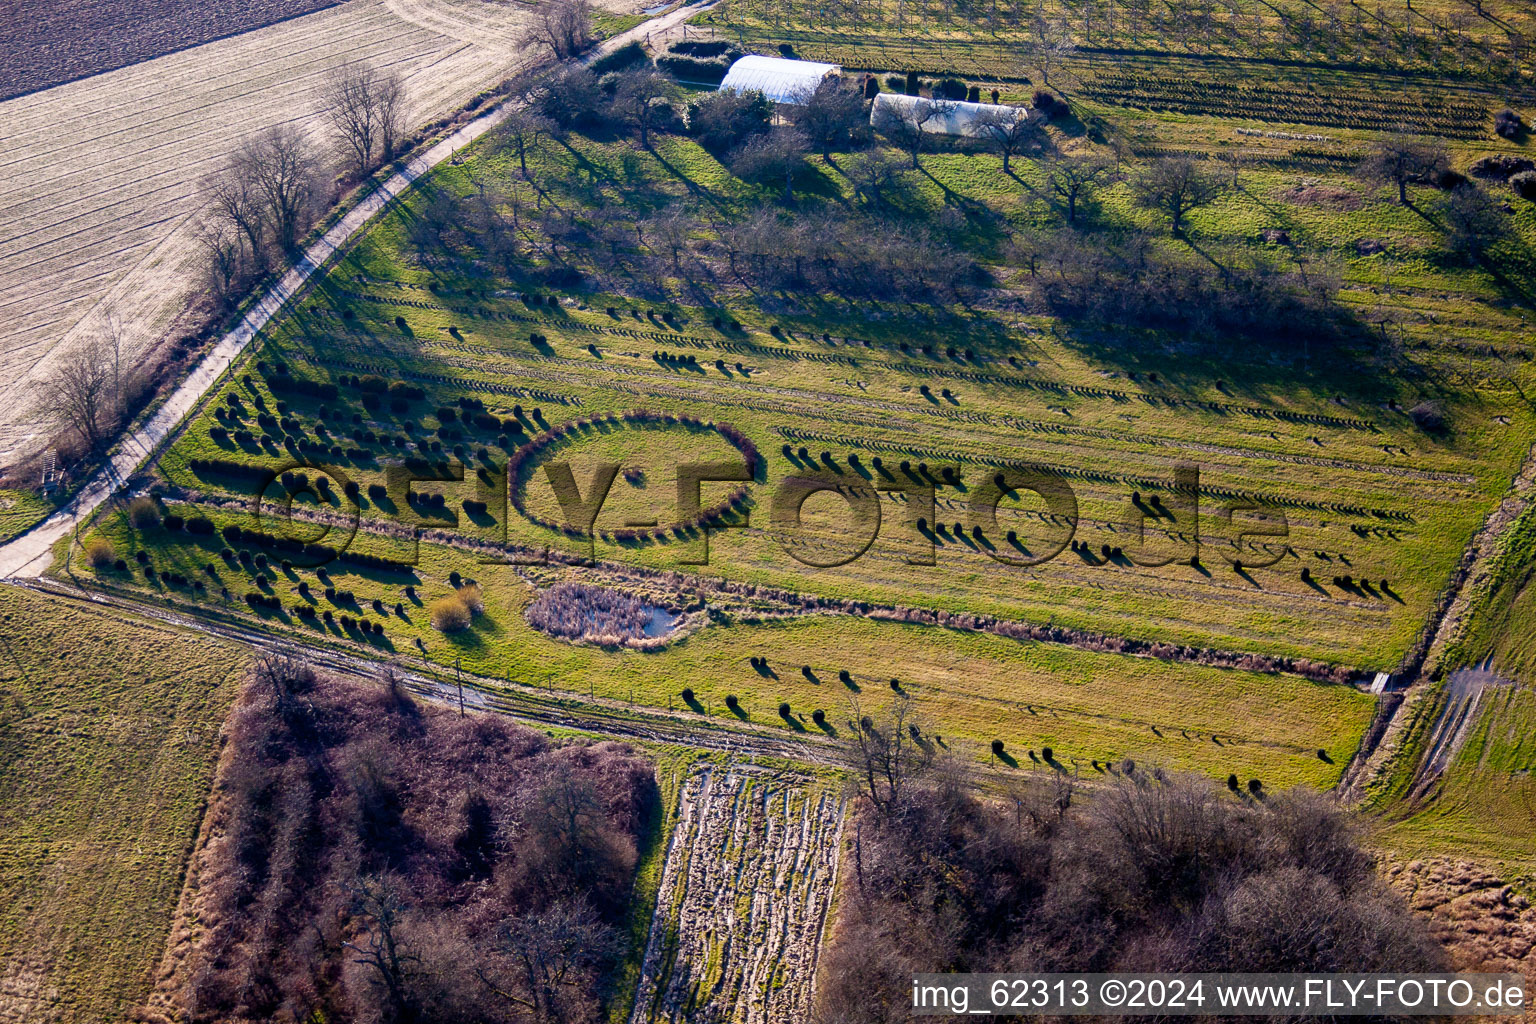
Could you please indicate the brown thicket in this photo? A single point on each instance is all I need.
(1156, 874)
(375, 860)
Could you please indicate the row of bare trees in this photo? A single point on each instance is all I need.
(271, 190)
(261, 202)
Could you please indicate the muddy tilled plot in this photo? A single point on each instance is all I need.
(744, 896)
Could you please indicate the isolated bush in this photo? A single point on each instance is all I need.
(1430, 417)
(99, 554)
(449, 615)
(1507, 123)
(1500, 166)
(472, 598)
(1524, 185)
(143, 514)
(949, 89)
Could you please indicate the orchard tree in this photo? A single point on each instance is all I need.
(1010, 129)
(830, 116)
(1075, 177)
(777, 156)
(1402, 159)
(1173, 186)
(522, 129)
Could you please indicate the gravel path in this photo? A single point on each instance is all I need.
(29, 554)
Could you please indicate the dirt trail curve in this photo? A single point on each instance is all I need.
(29, 554)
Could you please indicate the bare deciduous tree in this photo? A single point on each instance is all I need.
(1475, 222)
(381, 947)
(564, 26)
(84, 392)
(668, 231)
(555, 952)
(1053, 44)
(886, 751)
(235, 199)
(522, 129)
(364, 107)
(286, 177)
(830, 116)
(1174, 186)
(222, 258)
(1010, 129)
(775, 156)
(1403, 159)
(641, 100)
(1075, 177)
(906, 123)
(874, 177)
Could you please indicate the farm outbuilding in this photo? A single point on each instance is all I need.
(949, 117)
(780, 79)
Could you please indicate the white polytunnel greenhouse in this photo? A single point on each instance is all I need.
(780, 79)
(939, 117)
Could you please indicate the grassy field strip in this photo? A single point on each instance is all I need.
(744, 897)
(108, 727)
(529, 365)
(1483, 803)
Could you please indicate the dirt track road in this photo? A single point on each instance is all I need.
(29, 554)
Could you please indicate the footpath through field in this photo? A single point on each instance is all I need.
(29, 554)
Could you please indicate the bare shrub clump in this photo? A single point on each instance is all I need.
(143, 514)
(579, 611)
(375, 860)
(1157, 874)
(449, 615)
(100, 554)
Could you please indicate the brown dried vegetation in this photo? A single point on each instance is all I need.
(1155, 874)
(368, 859)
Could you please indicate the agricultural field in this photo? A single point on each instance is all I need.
(60, 42)
(1443, 41)
(667, 414)
(1479, 797)
(108, 736)
(103, 176)
(1340, 476)
(969, 687)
